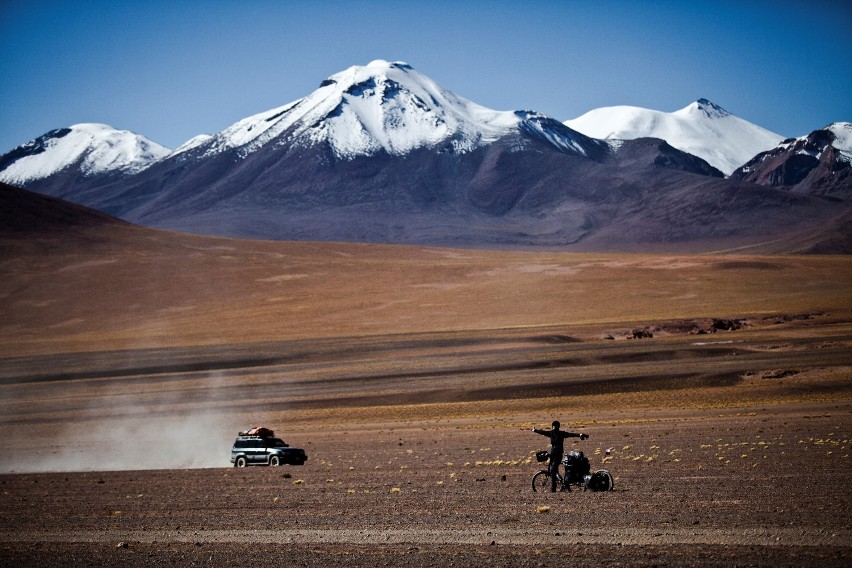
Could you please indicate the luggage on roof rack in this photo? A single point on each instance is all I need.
(258, 431)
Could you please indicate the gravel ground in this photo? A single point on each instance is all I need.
(767, 488)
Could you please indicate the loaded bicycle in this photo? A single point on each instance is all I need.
(577, 474)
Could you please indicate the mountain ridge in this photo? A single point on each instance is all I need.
(381, 153)
(385, 107)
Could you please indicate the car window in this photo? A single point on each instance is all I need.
(276, 443)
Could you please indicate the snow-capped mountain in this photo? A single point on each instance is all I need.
(702, 128)
(819, 163)
(382, 153)
(391, 108)
(88, 149)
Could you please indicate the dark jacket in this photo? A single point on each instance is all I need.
(557, 437)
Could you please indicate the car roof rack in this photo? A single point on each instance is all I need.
(258, 431)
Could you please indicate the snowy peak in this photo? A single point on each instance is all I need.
(702, 128)
(819, 163)
(392, 107)
(842, 132)
(703, 107)
(92, 148)
(383, 107)
(837, 135)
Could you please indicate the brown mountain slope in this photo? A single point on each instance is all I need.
(117, 286)
(23, 213)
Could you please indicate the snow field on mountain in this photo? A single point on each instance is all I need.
(100, 147)
(701, 128)
(842, 138)
(193, 142)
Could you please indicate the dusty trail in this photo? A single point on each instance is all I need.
(780, 537)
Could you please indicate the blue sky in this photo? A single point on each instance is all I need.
(174, 69)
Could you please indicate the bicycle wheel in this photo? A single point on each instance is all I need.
(601, 481)
(541, 481)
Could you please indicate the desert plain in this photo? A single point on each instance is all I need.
(714, 387)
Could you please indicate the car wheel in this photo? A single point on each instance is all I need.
(274, 461)
(240, 462)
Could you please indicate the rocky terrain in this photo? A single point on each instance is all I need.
(818, 164)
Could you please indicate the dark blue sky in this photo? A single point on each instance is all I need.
(174, 69)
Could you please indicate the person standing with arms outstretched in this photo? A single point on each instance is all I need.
(557, 448)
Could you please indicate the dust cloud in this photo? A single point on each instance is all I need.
(126, 429)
